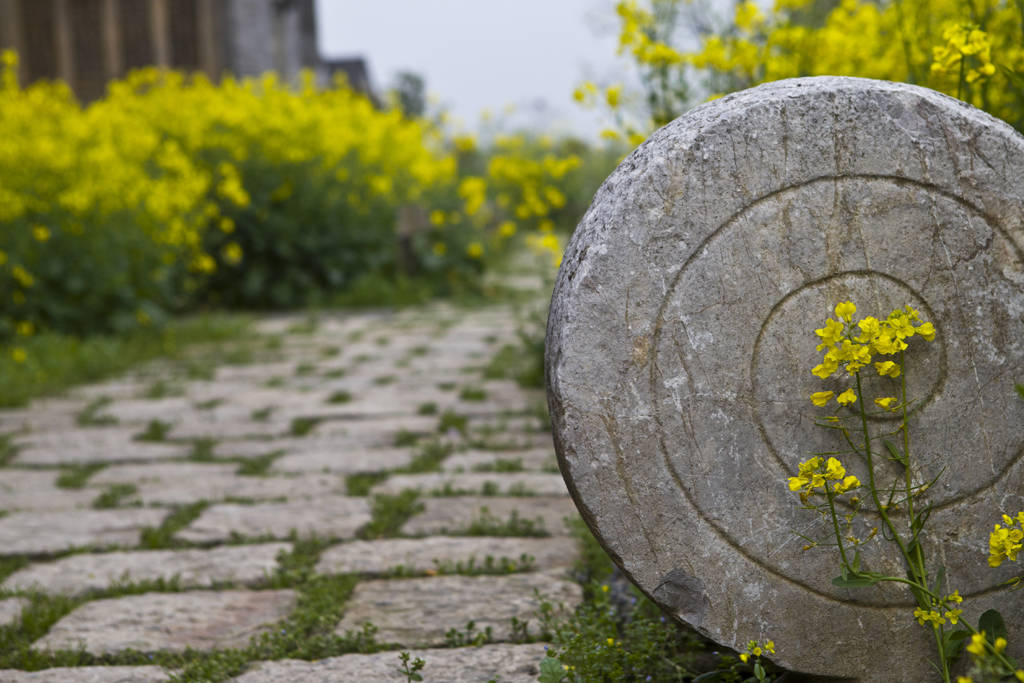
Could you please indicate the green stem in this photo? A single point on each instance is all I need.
(871, 473)
(835, 527)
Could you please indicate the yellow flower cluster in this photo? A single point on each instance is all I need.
(1005, 542)
(855, 347)
(964, 41)
(942, 44)
(638, 36)
(757, 649)
(814, 474)
(940, 611)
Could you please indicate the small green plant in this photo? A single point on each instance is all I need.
(301, 426)
(500, 465)
(429, 408)
(209, 405)
(76, 476)
(156, 430)
(411, 667)
(274, 382)
(340, 396)
(429, 458)
(162, 537)
(113, 495)
(162, 389)
(258, 466)
(360, 483)
(390, 512)
(202, 450)
(304, 369)
(384, 380)
(490, 566)
(261, 414)
(90, 417)
(487, 524)
(8, 449)
(335, 373)
(404, 437)
(452, 420)
(473, 394)
(468, 636)
(330, 351)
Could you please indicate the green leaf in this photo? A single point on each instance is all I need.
(991, 622)
(711, 676)
(551, 670)
(940, 576)
(855, 580)
(1020, 390)
(895, 454)
(953, 642)
(759, 671)
(856, 561)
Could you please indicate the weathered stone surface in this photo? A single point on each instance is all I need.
(10, 610)
(194, 568)
(420, 611)
(455, 514)
(88, 674)
(474, 460)
(681, 339)
(326, 517)
(90, 444)
(518, 483)
(50, 532)
(202, 620)
(37, 490)
(184, 482)
(506, 663)
(433, 552)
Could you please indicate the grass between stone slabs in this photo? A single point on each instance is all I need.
(487, 524)
(389, 513)
(75, 476)
(112, 496)
(57, 362)
(89, 417)
(618, 634)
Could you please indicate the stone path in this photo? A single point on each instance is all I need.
(199, 508)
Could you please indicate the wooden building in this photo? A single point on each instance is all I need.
(89, 42)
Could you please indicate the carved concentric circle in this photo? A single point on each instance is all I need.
(681, 340)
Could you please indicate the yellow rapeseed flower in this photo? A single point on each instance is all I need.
(19, 355)
(847, 397)
(820, 398)
(475, 250)
(845, 310)
(231, 253)
(41, 233)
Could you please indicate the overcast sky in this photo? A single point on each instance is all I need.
(478, 55)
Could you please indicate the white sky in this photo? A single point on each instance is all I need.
(478, 55)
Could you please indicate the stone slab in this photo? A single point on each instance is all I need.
(193, 568)
(37, 490)
(505, 663)
(476, 460)
(88, 674)
(345, 461)
(10, 610)
(326, 517)
(201, 620)
(412, 612)
(41, 532)
(185, 482)
(432, 552)
(455, 514)
(91, 444)
(680, 343)
(531, 483)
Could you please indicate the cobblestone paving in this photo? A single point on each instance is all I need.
(194, 507)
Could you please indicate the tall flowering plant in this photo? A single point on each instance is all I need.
(849, 347)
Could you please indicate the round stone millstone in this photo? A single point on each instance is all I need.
(680, 343)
